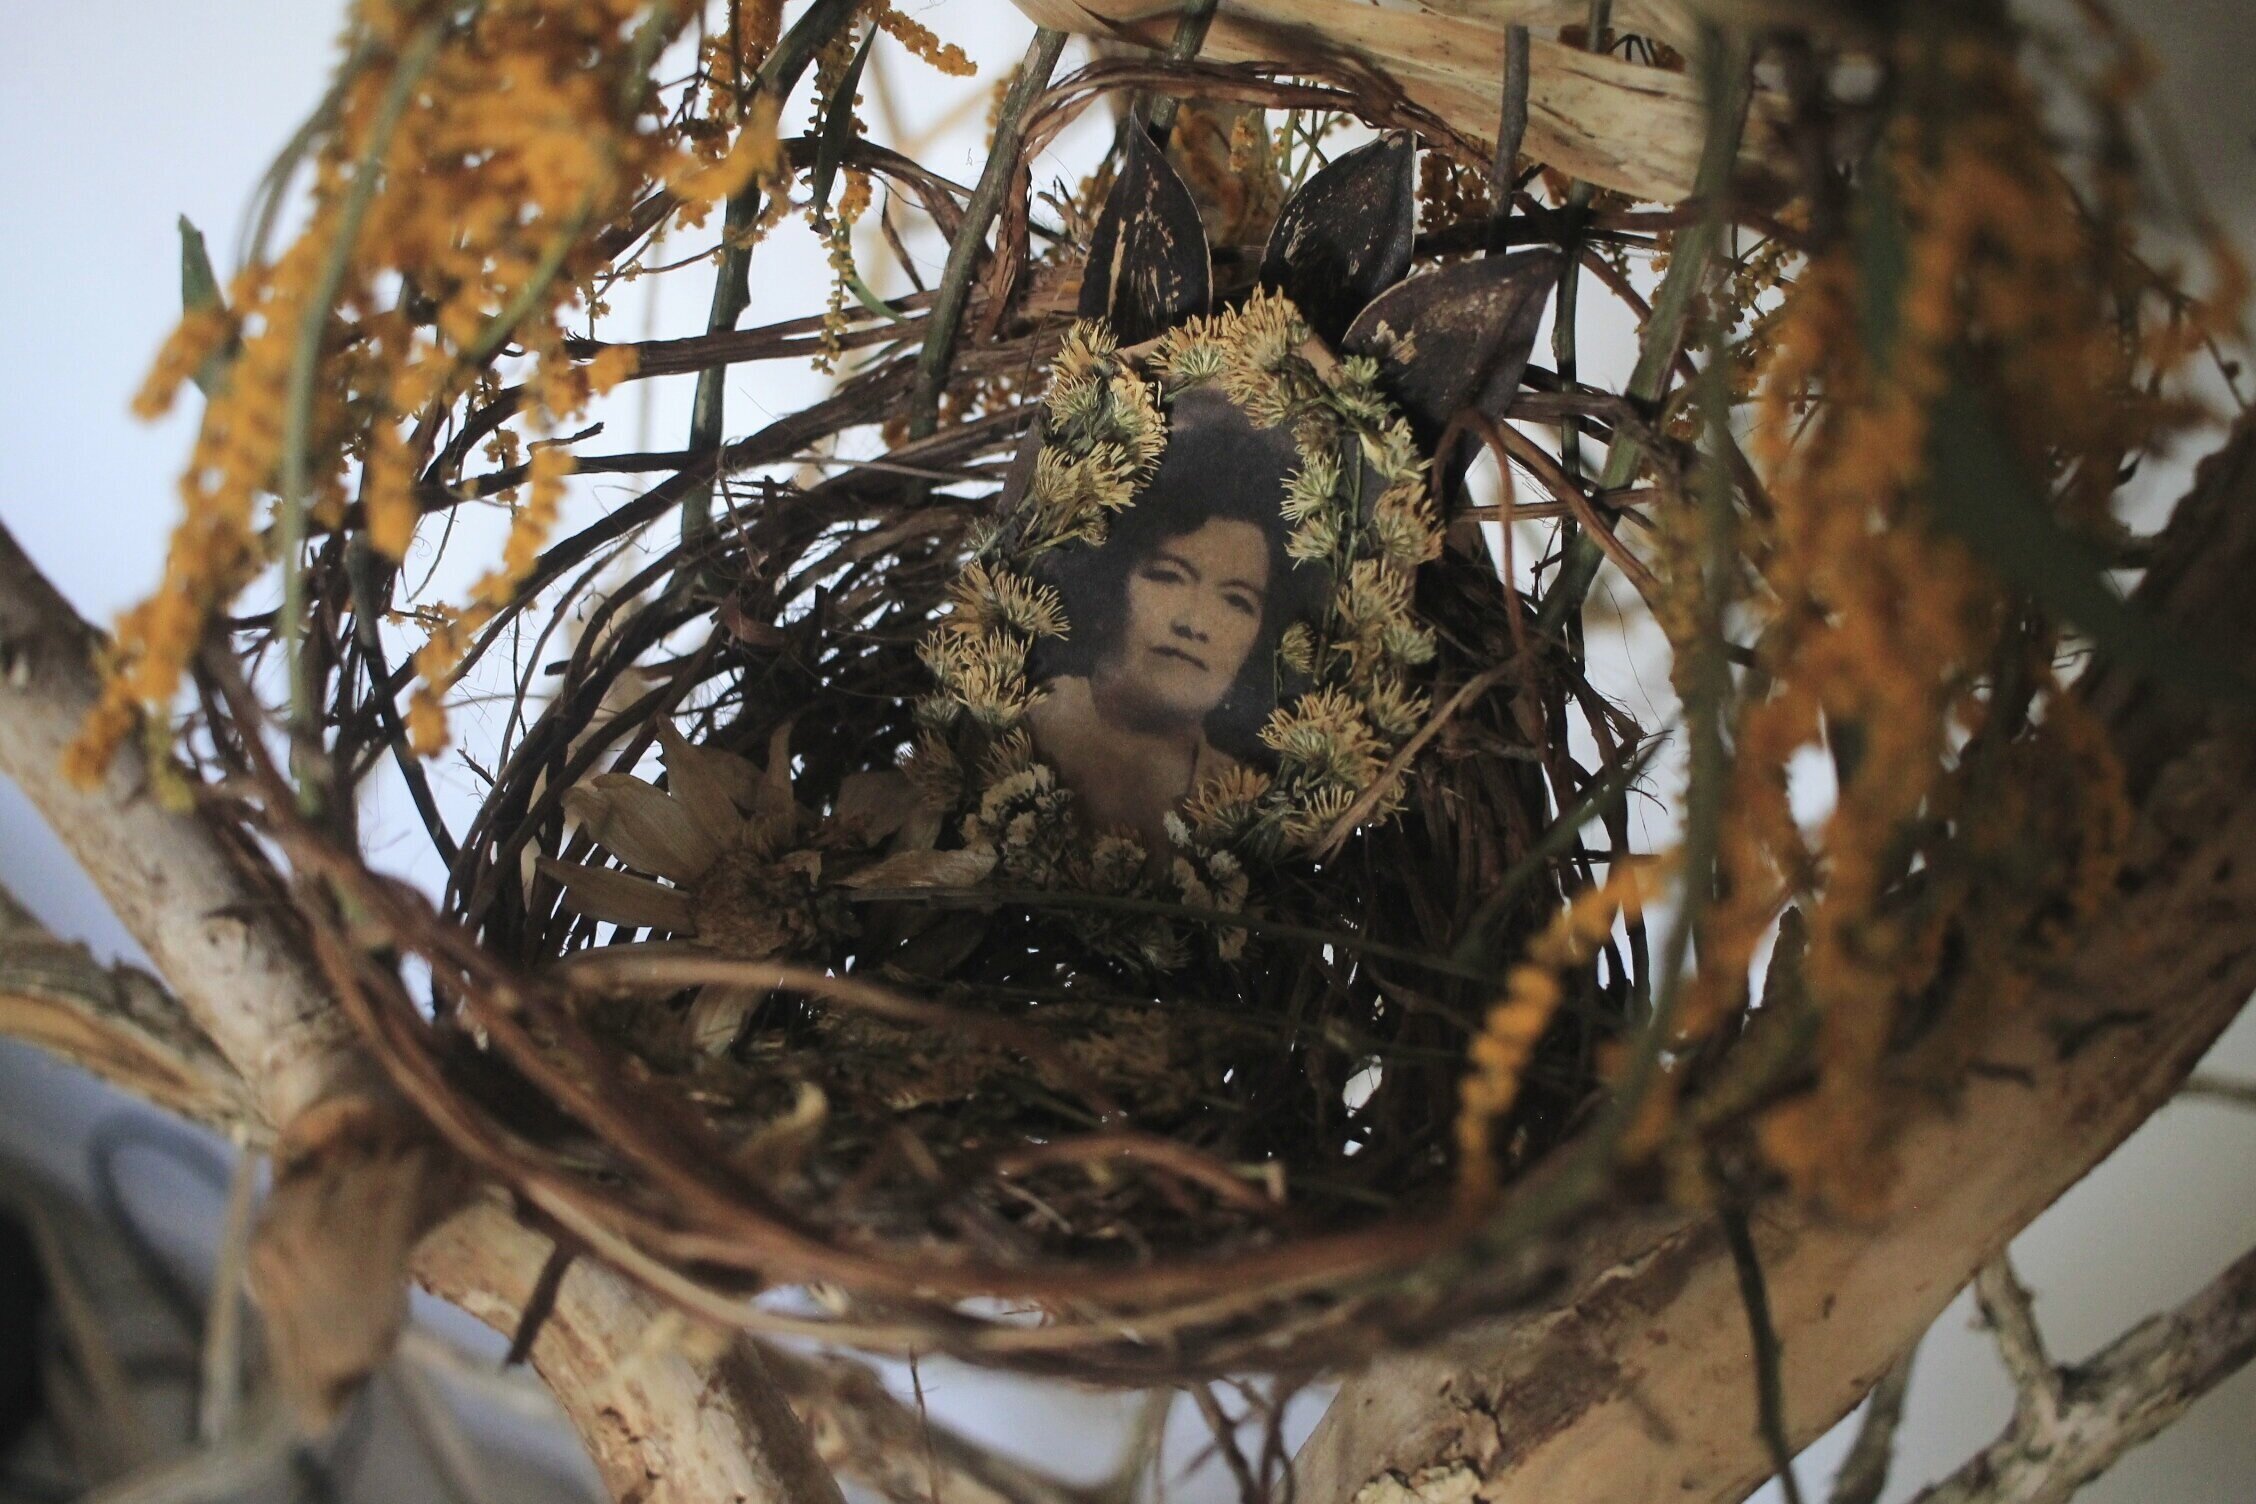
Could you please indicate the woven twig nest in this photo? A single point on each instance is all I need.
(832, 953)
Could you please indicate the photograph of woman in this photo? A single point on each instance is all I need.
(1170, 668)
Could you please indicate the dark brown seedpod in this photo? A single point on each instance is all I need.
(1347, 235)
(1458, 337)
(1148, 267)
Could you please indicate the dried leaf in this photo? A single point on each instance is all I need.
(619, 897)
(1148, 267)
(713, 784)
(1458, 337)
(1346, 236)
(877, 804)
(717, 1015)
(644, 826)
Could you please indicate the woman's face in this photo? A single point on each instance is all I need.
(1194, 611)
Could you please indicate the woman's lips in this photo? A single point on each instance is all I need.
(1165, 651)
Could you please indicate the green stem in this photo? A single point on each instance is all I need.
(732, 283)
(963, 252)
(297, 396)
(1689, 262)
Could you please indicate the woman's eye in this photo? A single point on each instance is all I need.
(1243, 604)
(1165, 574)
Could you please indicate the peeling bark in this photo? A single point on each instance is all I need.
(671, 1414)
(1639, 1384)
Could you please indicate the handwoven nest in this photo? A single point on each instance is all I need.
(938, 1110)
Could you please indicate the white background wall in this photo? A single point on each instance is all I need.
(117, 116)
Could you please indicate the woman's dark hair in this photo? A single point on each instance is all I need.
(1217, 466)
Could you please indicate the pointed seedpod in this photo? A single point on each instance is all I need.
(1148, 268)
(1347, 235)
(1458, 337)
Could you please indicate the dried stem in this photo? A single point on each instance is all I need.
(2123, 1395)
(954, 288)
(2011, 1317)
(1731, 83)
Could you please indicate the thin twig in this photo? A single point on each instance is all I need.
(220, 1383)
(1190, 35)
(1864, 1472)
(1730, 89)
(2125, 1394)
(963, 252)
(1770, 1393)
(305, 359)
(1511, 130)
(2221, 1088)
(732, 282)
(2012, 1319)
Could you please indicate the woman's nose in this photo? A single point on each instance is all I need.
(1188, 630)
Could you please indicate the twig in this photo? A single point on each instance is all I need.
(94, 1357)
(1864, 1472)
(305, 358)
(865, 1433)
(1226, 1442)
(214, 1474)
(2123, 1395)
(1511, 130)
(1770, 1396)
(2012, 1319)
(452, 1458)
(1731, 87)
(963, 252)
(220, 1383)
(1190, 35)
(732, 282)
(2221, 1088)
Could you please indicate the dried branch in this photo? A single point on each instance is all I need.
(116, 1022)
(868, 1436)
(1620, 1392)
(670, 1414)
(2223, 1089)
(357, 1179)
(2012, 1319)
(2125, 1394)
(970, 239)
(1864, 1472)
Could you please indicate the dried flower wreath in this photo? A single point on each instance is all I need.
(1106, 421)
(1356, 505)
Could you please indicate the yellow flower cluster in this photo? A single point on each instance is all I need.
(458, 187)
(1534, 990)
(1884, 633)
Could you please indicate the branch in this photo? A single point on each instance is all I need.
(866, 1435)
(1612, 122)
(1638, 1383)
(667, 1416)
(2012, 1318)
(2127, 1393)
(115, 1022)
(357, 1180)
(1864, 1472)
